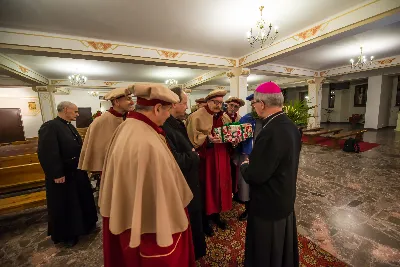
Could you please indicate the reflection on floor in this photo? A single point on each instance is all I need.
(347, 203)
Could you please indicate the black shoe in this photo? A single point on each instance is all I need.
(208, 231)
(221, 224)
(71, 243)
(243, 216)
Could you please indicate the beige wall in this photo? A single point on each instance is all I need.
(18, 97)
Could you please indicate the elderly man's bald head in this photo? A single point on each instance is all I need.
(67, 111)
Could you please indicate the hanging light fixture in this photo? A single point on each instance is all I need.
(171, 82)
(264, 35)
(93, 93)
(362, 61)
(77, 79)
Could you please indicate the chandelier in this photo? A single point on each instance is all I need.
(171, 82)
(77, 79)
(362, 61)
(93, 93)
(264, 35)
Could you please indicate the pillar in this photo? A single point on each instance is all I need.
(47, 103)
(238, 86)
(314, 100)
(189, 101)
(378, 102)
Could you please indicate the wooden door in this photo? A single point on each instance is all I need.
(85, 117)
(11, 128)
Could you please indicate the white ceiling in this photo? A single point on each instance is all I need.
(61, 68)
(380, 42)
(208, 26)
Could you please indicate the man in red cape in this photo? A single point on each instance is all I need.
(215, 172)
(232, 115)
(143, 193)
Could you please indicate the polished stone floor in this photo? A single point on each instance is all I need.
(347, 203)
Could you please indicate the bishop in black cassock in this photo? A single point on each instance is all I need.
(70, 202)
(271, 172)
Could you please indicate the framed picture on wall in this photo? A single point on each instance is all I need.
(31, 107)
(360, 95)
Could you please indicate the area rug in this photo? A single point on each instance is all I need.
(327, 142)
(226, 248)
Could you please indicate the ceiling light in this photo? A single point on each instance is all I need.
(93, 93)
(264, 36)
(362, 61)
(171, 82)
(77, 79)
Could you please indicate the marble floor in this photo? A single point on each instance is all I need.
(349, 204)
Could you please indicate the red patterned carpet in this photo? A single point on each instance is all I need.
(226, 248)
(324, 141)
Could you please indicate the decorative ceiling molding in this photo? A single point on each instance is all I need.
(281, 69)
(349, 19)
(93, 83)
(376, 64)
(50, 43)
(16, 68)
(204, 78)
(211, 87)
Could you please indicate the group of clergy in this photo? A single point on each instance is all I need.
(166, 177)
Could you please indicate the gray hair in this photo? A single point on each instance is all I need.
(64, 104)
(143, 108)
(270, 100)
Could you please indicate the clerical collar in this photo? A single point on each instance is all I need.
(115, 113)
(64, 121)
(141, 117)
(267, 119)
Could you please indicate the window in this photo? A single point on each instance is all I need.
(331, 100)
(303, 95)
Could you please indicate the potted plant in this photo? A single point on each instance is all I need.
(298, 112)
(97, 114)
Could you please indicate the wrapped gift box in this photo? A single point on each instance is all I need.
(234, 133)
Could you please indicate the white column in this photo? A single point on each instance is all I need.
(189, 101)
(47, 103)
(378, 102)
(398, 122)
(394, 111)
(238, 86)
(314, 100)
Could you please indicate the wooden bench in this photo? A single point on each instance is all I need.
(20, 177)
(18, 160)
(358, 135)
(22, 202)
(10, 150)
(312, 135)
(312, 129)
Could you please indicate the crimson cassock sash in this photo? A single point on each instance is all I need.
(215, 174)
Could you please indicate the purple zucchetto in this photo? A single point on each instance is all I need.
(268, 88)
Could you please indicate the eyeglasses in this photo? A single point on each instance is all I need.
(217, 102)
(255, 102)
(234, 106)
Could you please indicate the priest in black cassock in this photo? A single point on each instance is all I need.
(271, 172)
(70, 202)
(188, 161)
